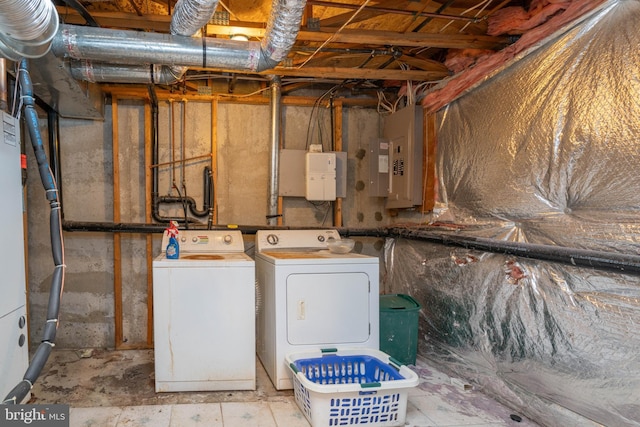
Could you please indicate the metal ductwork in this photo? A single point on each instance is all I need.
(96, 50)
(187, 19)
(27, 28)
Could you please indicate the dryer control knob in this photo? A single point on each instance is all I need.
(227, 239)
(183, 239)
(272, 239)
(194, 239)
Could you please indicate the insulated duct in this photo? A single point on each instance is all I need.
(27, 28)
(97, 49)
(187, 19)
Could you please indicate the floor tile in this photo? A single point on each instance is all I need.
(247, 414)
(94, 417)
(196, 415)
(287, 414)
(145, 416)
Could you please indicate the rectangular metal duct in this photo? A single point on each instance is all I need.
(53, 84)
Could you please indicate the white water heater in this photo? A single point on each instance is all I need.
(14, 357)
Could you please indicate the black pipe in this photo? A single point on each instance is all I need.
(20, 391)
(189, 201)
(78, 7)
(156, 199)
(154, 155)
(625, 263)
(209, 195)
(602, 260)
(53, 125)
(112, 227)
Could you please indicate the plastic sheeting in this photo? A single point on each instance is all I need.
(545, 152)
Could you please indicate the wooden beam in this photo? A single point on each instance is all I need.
(337, 135)
(129, 92)
(338, 20)
(393, 38)
(148, 124)
(359, 73)
(160, 23)
(117, 249)
(429, 163)
(214, 157)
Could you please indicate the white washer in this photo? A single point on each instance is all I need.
(204, 314)
(310, 298)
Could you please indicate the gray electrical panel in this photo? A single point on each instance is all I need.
(403, 132)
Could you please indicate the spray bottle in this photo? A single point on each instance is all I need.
(173, 248)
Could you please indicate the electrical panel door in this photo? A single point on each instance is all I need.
(321, 176)
(404, 134)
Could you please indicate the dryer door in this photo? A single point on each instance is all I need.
(328, 308)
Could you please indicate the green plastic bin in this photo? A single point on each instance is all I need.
(399, 327)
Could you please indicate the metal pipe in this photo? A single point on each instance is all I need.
(191, 15)
(625, 263)
(282, 29)
(96, 71)
(135, 48)
(601, 260)
(276, 94)
(27, 28)
(4, 105)
(53, 126)
(132, 51)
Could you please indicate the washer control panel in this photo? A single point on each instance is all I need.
(207, 241)
(294, 239)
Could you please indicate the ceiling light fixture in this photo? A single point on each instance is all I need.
(241, 37)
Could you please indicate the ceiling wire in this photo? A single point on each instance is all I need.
(483, 3)
(334, 34)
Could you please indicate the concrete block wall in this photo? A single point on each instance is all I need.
(243, 132)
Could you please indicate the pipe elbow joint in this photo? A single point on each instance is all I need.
(265, 62)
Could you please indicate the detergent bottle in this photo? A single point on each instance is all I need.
(173, 247)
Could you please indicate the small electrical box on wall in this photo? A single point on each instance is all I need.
(403, 132)
(320, 176)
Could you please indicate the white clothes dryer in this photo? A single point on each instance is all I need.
(204, 314)
(311, 298)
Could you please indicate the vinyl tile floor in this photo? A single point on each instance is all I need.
(116, 389)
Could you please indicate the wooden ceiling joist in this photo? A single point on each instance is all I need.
(160, 23)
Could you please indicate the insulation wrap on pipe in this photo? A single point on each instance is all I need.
(120, 56)
(282, 29)
(142, 49)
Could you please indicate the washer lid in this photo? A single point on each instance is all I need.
(231, 259)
